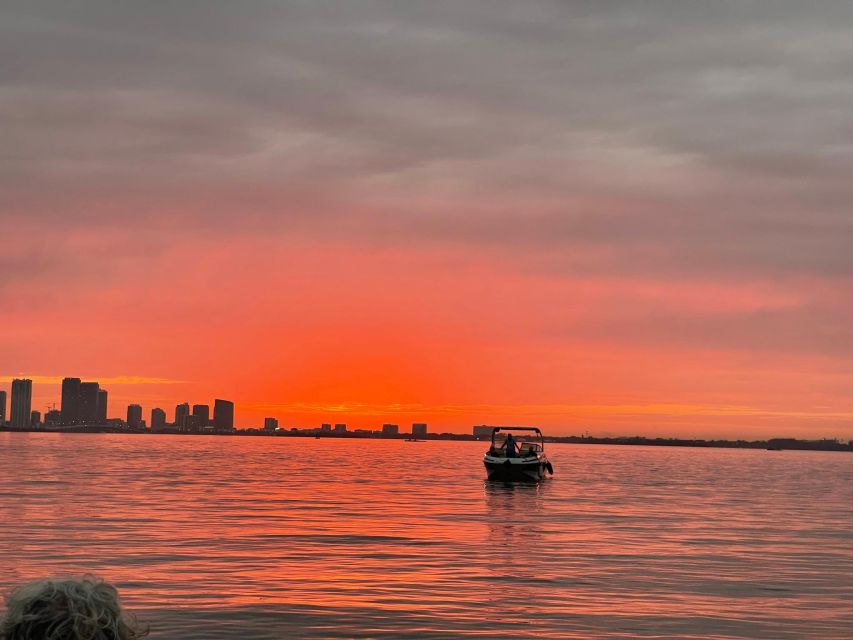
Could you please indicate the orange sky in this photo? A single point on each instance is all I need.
(323, 332)
(590, 221)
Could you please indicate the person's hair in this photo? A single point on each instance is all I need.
(84, 609)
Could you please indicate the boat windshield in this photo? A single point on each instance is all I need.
(525, 443)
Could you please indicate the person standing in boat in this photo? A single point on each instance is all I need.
(510, 446)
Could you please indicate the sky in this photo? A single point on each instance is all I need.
(599, 217)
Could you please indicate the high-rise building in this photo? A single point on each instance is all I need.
(35, 419)
(134, 416)
(2, 408)
(390, 429)
(223, 414)
(158, 419)
(419, 429)
(89, 402)
(340, 428)
(270, 424)
(102, 406)
(22, 404)
(325, 427)
(201, 415)
(70, 407)
(181, 413)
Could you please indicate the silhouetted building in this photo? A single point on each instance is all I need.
(102, 406)
(35, 419)
(134, 416)
(89, 402)
(22, 404)
(340, 428)
(325, 427)
(181, 413)
(201, 415)
(53, 418)
(70, 406)
(223, 414)
(158, 419)
(270, 424)
(419, 429)
(2, 408)
(390, 429)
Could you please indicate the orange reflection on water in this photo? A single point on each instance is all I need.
(332, 537)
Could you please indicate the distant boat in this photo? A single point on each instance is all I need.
(527, 462)
(414, 440)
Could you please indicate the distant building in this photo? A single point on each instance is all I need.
(201, 415)
(270, 424)
(325, 427)
(70, 407)
(22, 404)
(419, 429)
(134, 416)
(35, 419)
(223, 414)
(2, 408)
(53, 418)
(158, 419)
(340, 428)
(483, 431)
(89, 402)
(181, 413)
(390, 429)
(102, 406)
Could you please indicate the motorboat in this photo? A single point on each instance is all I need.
(523, 461)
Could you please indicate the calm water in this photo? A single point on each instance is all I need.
(212, 537)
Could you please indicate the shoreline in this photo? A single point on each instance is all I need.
(773, 444)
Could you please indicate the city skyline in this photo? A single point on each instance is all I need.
(192, 416)
(85, 403)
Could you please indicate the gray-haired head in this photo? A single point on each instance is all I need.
(83, 609)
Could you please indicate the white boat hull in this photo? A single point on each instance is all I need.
(530, 469)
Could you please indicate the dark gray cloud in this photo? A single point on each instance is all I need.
(675, 137)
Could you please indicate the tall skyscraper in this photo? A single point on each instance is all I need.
(102, 406)
(89, 402)
(223, 414)
(158, 419)
(70, 407)
(22, 401)
(2, 408)
(270, 424)
(419, 430)
(134, 416)
(201, 415)
(181, 413)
